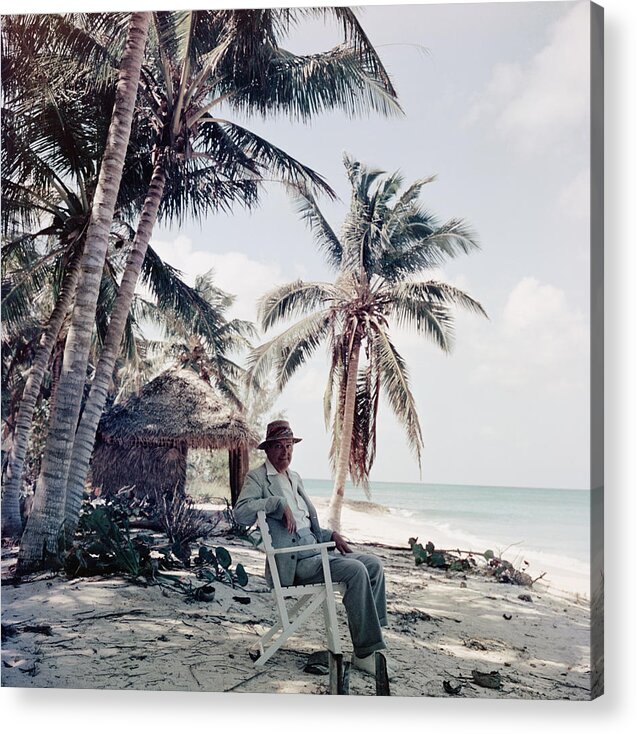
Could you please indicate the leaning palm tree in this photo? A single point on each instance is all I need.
(386, 242)
(40, 539)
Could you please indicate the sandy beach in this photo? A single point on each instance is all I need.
(107, 632)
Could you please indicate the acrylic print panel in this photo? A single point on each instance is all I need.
(419, 211)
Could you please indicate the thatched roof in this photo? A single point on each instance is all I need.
(179, 409)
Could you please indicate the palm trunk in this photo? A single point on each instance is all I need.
(342, 466)
(40, 539)
(11, 521)
(85, 436)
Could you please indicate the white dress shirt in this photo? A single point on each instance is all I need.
(294, 499)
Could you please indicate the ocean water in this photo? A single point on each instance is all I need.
(550, 528)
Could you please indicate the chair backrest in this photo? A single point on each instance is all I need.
(265, 531)
(269, 549)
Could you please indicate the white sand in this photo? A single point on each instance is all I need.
(109, 633)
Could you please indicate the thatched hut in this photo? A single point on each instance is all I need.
(144, 441)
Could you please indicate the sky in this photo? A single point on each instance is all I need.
(501, 118)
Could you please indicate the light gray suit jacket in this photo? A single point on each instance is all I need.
(263, 492)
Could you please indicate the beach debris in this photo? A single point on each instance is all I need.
(450, 688)
(405, 621)
(414, 615)
(39, 629)
(487, 680)
(9, 630)
(505, 572)
(318, 663)
(507, 616)
(475, 645)
(15, 663)
(241, 599)
(203, 593)
(525, 597)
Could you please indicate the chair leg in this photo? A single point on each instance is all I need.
(289, 630)
(331, 625)
(278, 626)
(382, 678)
(336, 672)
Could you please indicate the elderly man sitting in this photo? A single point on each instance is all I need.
(276, 489)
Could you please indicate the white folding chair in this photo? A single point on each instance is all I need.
(308, 598)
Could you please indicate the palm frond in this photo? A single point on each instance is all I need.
(173, 295)
(272, 159)
(304, 86)
(355, 35)
(289, 350)
(334, 377)
(198, 187)
(433, 293)
(363, 445)
(419, 244)
(428, 318)
(324, 235)
(395, 381)
(297, 298)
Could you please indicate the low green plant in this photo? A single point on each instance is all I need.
(104, 545)
(215, 565)
(459, 560)
(429, 555)
(181, 522)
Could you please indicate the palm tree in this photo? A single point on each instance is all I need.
(196, 71)
(48, 174)
(386, 241)
(40, 539)
(45, 184)
(205, 341)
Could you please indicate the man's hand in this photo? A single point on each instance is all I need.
(341, 544)
(288, 520)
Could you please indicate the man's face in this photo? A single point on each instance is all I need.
(280, 454)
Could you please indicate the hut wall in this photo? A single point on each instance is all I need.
(147, 468)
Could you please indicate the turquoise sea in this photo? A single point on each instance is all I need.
(551, 527)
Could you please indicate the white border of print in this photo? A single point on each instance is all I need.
(106, 711)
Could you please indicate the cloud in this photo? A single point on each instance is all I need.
(234, 272)
(539, 340)
(547, 98)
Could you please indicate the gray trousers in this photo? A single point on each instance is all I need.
(364, 597)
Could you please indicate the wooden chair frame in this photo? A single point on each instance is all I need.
(308, 598)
